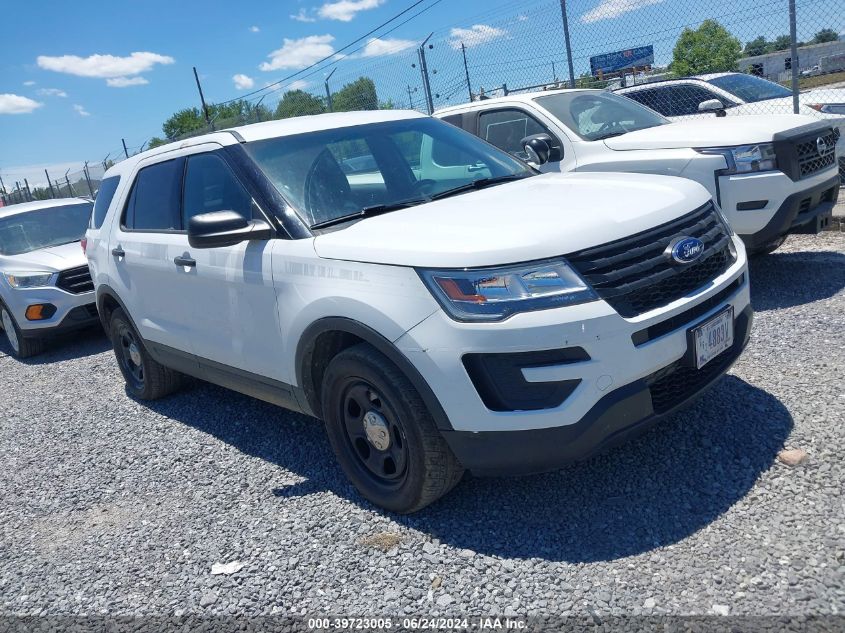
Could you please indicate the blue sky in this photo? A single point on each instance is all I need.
(76, 79)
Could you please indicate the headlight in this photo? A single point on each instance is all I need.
(29, 280)
(828, 108)
(493, 294)
(745, 159)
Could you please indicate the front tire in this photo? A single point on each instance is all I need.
(146, 379)
(21, 347)
(770, 247)
(382, 433)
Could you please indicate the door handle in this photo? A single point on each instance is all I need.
(118, 252)
(185, 261)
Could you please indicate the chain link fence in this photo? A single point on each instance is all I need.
(755, 57)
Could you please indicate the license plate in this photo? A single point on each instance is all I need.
(713, 337)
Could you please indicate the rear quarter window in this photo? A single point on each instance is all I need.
(103, 201)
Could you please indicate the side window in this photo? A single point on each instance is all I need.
(685, 99)
(211, 186)
(154, 201)
(105, 195)
(654, 99)
(506, 128)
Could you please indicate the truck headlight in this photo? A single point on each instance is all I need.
(745, 159)
(828, 108)
(37, 279)
(494, 294)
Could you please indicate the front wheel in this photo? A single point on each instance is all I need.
(769, 247)
(146, 379)
(382, 433)
(21, 347)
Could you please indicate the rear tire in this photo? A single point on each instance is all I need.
(146, 379)
(382, 433)
(21, 347)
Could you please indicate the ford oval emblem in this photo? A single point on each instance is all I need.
(684, 250)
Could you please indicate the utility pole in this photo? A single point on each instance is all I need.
(50, 182)
(106, 162)
(2, 186)
(202, 98)
(67, 180)
(793, 37)
(125, 151)
(410, 97)
(88, 179)
(466, 70)
(569, 45)
(424, 71)
(329, 92)
(28, 190)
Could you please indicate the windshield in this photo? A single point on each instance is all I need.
(597, 115)
(346, 171)
(750, 88)
(34, 230)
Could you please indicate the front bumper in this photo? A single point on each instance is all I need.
(73, 311)
(805, 211)
(618, 416)
(617, 351)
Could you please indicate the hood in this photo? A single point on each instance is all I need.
(822, 95)
(535, 218)
(55, 258)
(709, 132)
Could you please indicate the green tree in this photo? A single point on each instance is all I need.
(757, 46)
(156, 141)
(187, 121)
(358, 95)
(298, 103)
(709, 48)
(781, 43)
(825, 35)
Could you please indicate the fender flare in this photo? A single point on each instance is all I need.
(305, 349)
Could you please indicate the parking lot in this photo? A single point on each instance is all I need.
(114, 506)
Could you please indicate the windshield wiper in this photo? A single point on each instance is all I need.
(368, 212)
(479, 183)
(609, 135)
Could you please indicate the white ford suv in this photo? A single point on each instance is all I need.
(770, 175)
(45, 286)
(438, 303)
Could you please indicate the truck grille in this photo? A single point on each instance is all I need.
(634, 275)
(76, 280)
(810, 161)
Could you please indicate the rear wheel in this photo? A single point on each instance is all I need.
(145, 378)
(21, 347)
(382, 433)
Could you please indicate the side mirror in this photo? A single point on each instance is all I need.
(539, 149)
(225, 228)
(712, 105)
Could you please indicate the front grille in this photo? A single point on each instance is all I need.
(810, 161)
(76, 280)
(842, 170)
(634, 275)
(676, 383)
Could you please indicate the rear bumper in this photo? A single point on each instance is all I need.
(618, 416)
(806, 211)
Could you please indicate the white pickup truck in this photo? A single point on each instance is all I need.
(771, 175)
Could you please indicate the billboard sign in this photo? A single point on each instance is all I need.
(608, 63)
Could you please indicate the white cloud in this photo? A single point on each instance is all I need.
(299, 84)
(29, 83)
(299, 53)
(254, 29)
(346, 10)
(51, 92)
(476, 35)
(119, 71)
(243, 82)
(609, 9)
(376, 47)
(302, 16)
(123, 82)
(80, 110)
(16, 104)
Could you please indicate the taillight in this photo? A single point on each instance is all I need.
(84, 244)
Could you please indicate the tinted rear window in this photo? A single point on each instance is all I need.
(155, 199)
(104, 197)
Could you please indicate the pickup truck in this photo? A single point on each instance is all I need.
(770, 175)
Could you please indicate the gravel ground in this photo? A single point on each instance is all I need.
(111, 506)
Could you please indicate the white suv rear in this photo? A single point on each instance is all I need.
(438, 303)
